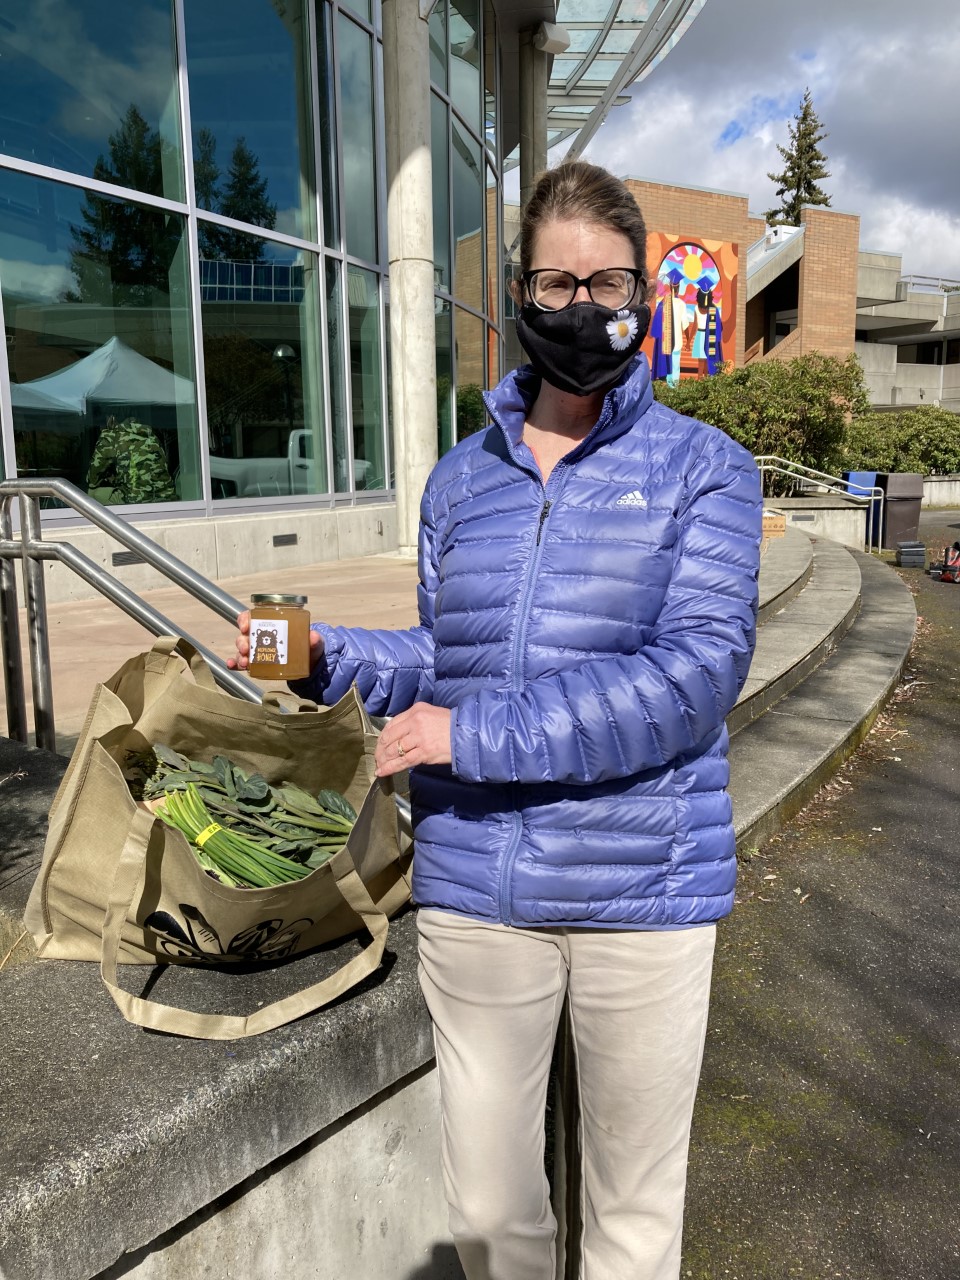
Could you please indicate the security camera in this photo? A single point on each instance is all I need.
(551, 39)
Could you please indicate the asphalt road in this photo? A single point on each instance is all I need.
(827, 1132)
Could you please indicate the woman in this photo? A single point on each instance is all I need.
(587, 606)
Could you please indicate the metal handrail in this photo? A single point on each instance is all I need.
(770, 462)
(32, 549)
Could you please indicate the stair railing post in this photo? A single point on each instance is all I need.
(35, 591)
(15, 695)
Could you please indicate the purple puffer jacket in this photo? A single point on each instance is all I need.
(590, 636)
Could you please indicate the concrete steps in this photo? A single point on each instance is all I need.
(112, 1125)
(801, 629)
(832, 641)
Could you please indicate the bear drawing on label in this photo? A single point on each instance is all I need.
(266, 650)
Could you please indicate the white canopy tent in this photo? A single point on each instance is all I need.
(25, 395)
(113, 374)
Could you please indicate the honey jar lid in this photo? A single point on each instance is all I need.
(273, 598)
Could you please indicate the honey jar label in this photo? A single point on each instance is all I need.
(268, 641)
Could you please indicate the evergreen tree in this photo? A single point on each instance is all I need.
(804, 169)
(206, 177)
(245, 199)
(122, 252)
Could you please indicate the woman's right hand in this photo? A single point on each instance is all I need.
(242, 660)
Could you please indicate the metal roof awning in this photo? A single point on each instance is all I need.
(612, 45)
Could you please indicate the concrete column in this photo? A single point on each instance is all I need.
(534, 80)
(406, 76)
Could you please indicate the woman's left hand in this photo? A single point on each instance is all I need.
(418, 736)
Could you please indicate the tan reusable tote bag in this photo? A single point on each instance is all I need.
(117, 885)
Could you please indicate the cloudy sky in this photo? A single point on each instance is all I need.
(884, 77)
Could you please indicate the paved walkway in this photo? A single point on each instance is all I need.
(827, 1132)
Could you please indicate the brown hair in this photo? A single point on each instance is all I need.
(581, 190)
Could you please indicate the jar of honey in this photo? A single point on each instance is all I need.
(279, 638)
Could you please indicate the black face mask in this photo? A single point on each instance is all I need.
(585, 347)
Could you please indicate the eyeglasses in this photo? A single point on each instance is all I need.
(552, 290)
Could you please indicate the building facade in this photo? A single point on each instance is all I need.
(194, 266)
(206, 206)
(812, 288)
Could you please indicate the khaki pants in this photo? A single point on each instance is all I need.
(638, 1004)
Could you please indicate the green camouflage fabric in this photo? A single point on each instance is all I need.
(129, 465)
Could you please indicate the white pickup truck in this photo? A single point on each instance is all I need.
(297, 472)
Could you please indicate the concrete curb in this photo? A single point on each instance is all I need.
(785, 756)
(805, 631)
(784, 571)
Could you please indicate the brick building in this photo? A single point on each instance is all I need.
(813, 288)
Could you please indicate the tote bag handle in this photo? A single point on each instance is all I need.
(209, 1026)
(164, 648)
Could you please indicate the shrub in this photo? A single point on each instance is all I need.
(925, 439)
(471, 411)
(796, 409)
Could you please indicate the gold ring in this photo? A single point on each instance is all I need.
(400, 751)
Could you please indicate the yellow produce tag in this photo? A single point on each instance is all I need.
(206, 833)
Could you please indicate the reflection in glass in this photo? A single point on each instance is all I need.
(513, 354)
(338, 396)
(494, 353)
(582, 41)
(491, 54)
(248, 64)
(439, 147)
(360, 7)
(359, 153)
(261, 346)
(96, 304)
(492, 291)
(470, 334)
(465, 60)
(92, 88)
(468, 194)
(438, 45)
(366, 383)
(619, 42)
(328, 126)
(584, 10)
(444, 341)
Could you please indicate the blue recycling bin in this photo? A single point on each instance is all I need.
(859, 483)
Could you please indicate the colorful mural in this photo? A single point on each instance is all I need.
(693, 331)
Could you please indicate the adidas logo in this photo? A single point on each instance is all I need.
(635, 499)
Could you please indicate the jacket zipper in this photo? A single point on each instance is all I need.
(555, 482)
(544, 512)
(516, 679)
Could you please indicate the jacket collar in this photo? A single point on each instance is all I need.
(509, 402)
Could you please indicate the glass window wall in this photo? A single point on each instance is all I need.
(366, 380)
(465, 60)
(469, 179)
(103, 288)
(444, 340)
(491, 53)
(355, 48)
(92, 88)
(438, 45)
(471, 368)
(248, 67)
(98, 331)
(440, 148)
(359, 7)
(261, 349)
(328, 126)
(339, 410)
